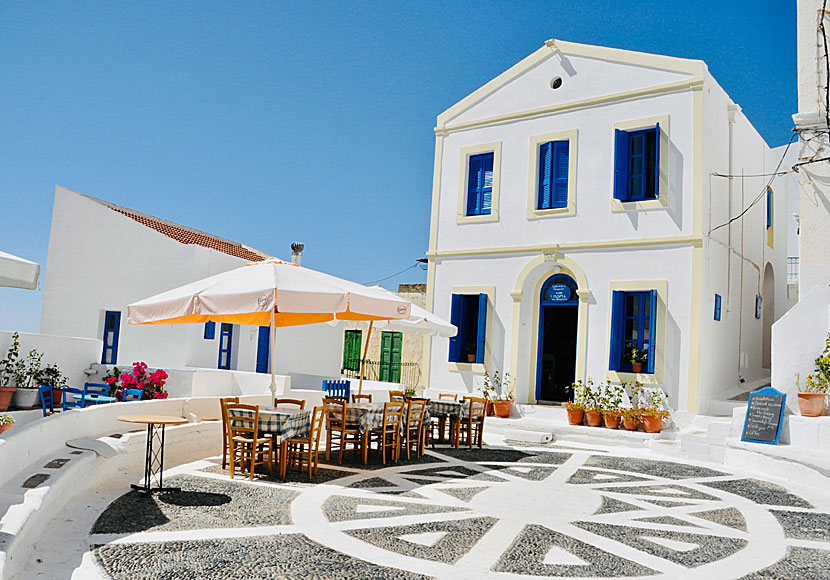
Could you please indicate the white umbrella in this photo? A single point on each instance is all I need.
(18, 273)
(271, 292)
(420, 321)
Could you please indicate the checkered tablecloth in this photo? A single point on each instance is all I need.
(369, 416)
(282, 423)
(457, 408)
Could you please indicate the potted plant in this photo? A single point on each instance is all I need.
(811, 399)
(51, 375)
(471, 353)
(638, 358)
(7, 365)
(499, 391)
(652, 418)
(25, 372)
(610, 399)
(6, 423)
(651, 405)
(630, 419)
(576, 408)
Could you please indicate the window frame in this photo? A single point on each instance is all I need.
(229, 349)
(463, 181)
(476, 367)
(534, 159)
(116, 335)
(662, 179)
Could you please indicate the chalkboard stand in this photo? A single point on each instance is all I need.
(764, 415)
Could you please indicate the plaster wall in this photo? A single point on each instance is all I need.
(71, 354)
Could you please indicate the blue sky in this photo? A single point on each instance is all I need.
(268, 123)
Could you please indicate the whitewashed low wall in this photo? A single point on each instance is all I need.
(797, 339)
(71, 354)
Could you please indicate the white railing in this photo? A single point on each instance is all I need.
(792, 270)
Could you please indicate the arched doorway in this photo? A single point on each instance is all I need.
(768, 315)
(556, 358)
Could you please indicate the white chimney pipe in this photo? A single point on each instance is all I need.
(297, 253)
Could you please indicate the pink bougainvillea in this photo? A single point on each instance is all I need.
(151, 384)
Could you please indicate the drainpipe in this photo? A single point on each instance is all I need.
(297, 253)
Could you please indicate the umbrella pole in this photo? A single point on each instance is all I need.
(363, 360)
(271, 356)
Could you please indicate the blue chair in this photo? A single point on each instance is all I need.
(132, 395)
(46, 399)
(339, 389)
(78, 398)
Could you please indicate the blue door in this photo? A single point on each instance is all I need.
(225, 344)
(263, 349)
(556, 355)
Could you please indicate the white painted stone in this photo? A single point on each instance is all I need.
(557, 556)
(427, 539)
(675, 545)
(370, 509)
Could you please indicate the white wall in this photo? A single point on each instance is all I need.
(71, 354)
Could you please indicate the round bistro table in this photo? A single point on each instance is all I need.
(154, 459)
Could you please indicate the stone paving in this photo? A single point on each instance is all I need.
(499, 512)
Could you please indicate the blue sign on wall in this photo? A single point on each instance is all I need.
(559, 293)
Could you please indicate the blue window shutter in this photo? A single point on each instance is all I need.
(263, 349)
(769, 207)
(617, 329)
(482, 325)
(473, 183)
(657, 161)
(486, 183)
(717, 306)
(545, 162)
(559, 196)
(210, 330)
(621, 162)
(652, 332)
(112, 330)
(456, 316)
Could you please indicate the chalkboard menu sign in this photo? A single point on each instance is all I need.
(763, 416)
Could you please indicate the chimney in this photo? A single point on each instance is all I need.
(297, 253)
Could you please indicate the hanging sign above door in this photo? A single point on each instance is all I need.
(559, 293)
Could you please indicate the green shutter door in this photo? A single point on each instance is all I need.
(395, 371)
(390, 356)
(385, 355)
(351, 349)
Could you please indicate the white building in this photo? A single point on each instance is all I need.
(576, 214)
(103, 257)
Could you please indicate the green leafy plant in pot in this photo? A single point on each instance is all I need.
(638, 358)
(6, 422)
(7, 376)
(576, 407)
(26, 370)
(499, 391)
(610, 398)
(52, 376)
(811, 399)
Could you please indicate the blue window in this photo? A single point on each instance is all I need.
(480, 184)
(759, 302)
(469, 315)
(718, 306)
(263, 350)
(112, 328)
(210, 330)
(553, 175)
(769, 207)
(225, 344)
(633, 318)
(637, 164)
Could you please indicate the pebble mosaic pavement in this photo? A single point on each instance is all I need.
(524, 512)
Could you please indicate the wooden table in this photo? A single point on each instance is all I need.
(154, 459)
(282, 423)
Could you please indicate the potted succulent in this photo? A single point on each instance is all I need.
(51, 375)
(6, 422)
(25, 371)
(7, 366)
(499, 391)
(576, 408)
(811, 399)
(638, 358)
(630, 419)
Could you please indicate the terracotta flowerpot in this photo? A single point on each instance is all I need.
(611, 420)
(502, 408)
(5, 397)
(630, 423)
(488, 409)
(5, 427)
(57, 397)
(811, 404)
(471, 358)
(652, 423)
(575, 416)
(637, 367)
(594, 418)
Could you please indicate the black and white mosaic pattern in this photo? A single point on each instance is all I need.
(457, 513)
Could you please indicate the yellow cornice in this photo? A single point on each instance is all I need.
(696, 241)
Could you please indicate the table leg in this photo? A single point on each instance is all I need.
(364, 444)
(284, 459)
(154, 461)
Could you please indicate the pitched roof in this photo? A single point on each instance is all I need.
(186, 235)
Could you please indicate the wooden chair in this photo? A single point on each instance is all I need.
(336, 425)
(413, 431)
(223, 403)
(134, 395)
(300, 403)
(472, 427)
(308, 446)
(448, 396)
(397, 396)
(359, 398)
(245, 443)
(46, 399)
(389, 433)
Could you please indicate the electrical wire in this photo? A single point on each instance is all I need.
(778, 174)
(392, 276)
(826, 64)
(763, 191)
